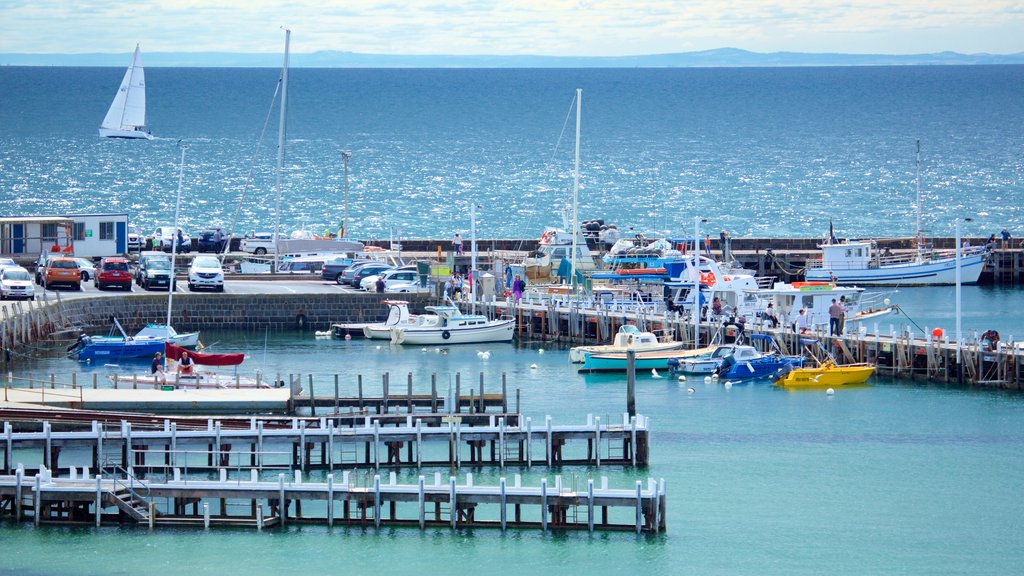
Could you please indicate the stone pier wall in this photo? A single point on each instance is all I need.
(191, 312)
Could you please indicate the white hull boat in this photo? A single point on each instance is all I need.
(629, 337)
(398, 316)
(126, 117)
(447, 325)
(916, 272)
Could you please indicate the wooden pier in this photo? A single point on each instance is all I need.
(320, 444)
(249, 500)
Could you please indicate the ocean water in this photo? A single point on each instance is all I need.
(895, 478)
(759, 152)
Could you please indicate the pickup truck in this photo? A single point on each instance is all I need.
(259, 243)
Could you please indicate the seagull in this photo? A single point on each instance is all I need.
(533, 366)
(654, 373)
(690, 390)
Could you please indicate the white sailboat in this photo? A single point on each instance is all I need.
(126, 117)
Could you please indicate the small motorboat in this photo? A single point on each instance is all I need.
(146, 342)
(447, 325)
(616, 361)
(629, 337)
(703, 364)
(747, 362)
(827, 374)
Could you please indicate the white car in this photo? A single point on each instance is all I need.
(257, 243)
(165, 236)
(391, 278)
(87, 267)
(411, 287)
(134, 242)
(16, 283)
(8, 263)
(206, 272)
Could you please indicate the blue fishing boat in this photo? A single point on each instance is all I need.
(144, 344)
(746, 362)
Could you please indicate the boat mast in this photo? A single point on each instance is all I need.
(174, 238)
(280, 151)
(575, 194)
(131, 80)
(917, 169)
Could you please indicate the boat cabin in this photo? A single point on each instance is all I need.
(850, 255)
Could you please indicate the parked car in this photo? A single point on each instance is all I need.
(212, 240)
(62, 270)
(154, 271)
(8, 263)
(87, 268)
(113, 272)
(334, 269)
(412, 287)
(16, 282)
(365, 272)
(206, 272)
(348, 276)
(134, 242)
(391, 278)
(259, 243)
(165, 236)
(303, 265)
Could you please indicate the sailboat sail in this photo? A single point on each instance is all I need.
(126, 117)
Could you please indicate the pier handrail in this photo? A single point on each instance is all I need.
(112, 471)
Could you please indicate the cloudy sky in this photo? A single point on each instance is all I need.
(535, 27)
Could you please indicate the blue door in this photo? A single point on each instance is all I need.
(17, 238)
(121, 234)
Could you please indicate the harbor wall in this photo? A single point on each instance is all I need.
(244, 312)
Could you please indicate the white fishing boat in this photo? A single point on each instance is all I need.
(168, 334)
(629, 337)
(447, 325)
(126, 117)
(860, 261)
(398, 316)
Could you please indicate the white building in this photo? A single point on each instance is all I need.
(85, 235)
(97, 235)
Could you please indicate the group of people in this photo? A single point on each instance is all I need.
(837, 316)
(186, 367)
(454, 287)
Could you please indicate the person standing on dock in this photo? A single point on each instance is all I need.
(518, 286)
(707, 244)
(842, 317)
(1006, 238)
(457, 242)
(156, 368)
(835, 312)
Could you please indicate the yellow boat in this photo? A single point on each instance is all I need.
(827, 375)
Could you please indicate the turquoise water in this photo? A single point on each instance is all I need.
(759, 152)
(891, 478)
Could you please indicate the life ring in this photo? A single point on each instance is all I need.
(446, 334)
(708, 279)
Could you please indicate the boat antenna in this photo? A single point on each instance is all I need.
(174, 238)
(282, 125)
(917, 169)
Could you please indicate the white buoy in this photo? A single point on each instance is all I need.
(423, 349)
(540, 351)
(707, 379)
(378, 347)
(690, 390)
(728, 385)
(714, 376)
(533, 366)
(654, 373)
(682, 378)
(830, 392)
(886, 301)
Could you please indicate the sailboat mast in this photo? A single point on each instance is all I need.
(917, 169)
(575, 193)
(281, 126)
(174, 239)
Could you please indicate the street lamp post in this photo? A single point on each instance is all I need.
(345, 155)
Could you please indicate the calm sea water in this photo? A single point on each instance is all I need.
(892, 478)
(765, 152)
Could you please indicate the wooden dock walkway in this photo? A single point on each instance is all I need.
(83, 499)
(326, 446)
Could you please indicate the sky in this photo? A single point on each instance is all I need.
(525, 27)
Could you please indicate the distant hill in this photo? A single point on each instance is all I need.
(722, 57)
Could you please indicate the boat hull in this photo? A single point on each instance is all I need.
(578, 354)
(500, 331)
(761, 368)
(937, 272)
(129, 134)
(115, 349)
(826, 377)
(644, 361)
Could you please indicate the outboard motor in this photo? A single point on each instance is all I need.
(673, 365)
(727, 363)
(79, 345)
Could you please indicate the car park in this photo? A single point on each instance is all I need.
(365, 272)
(206, 272)
(62, 271)
(348, 276)
(16, 282)
(113, 273)
(87, 268)
(212, 239)
(154, 271)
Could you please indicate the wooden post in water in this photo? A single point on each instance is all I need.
(631, 382)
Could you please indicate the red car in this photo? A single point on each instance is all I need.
(113, 272)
